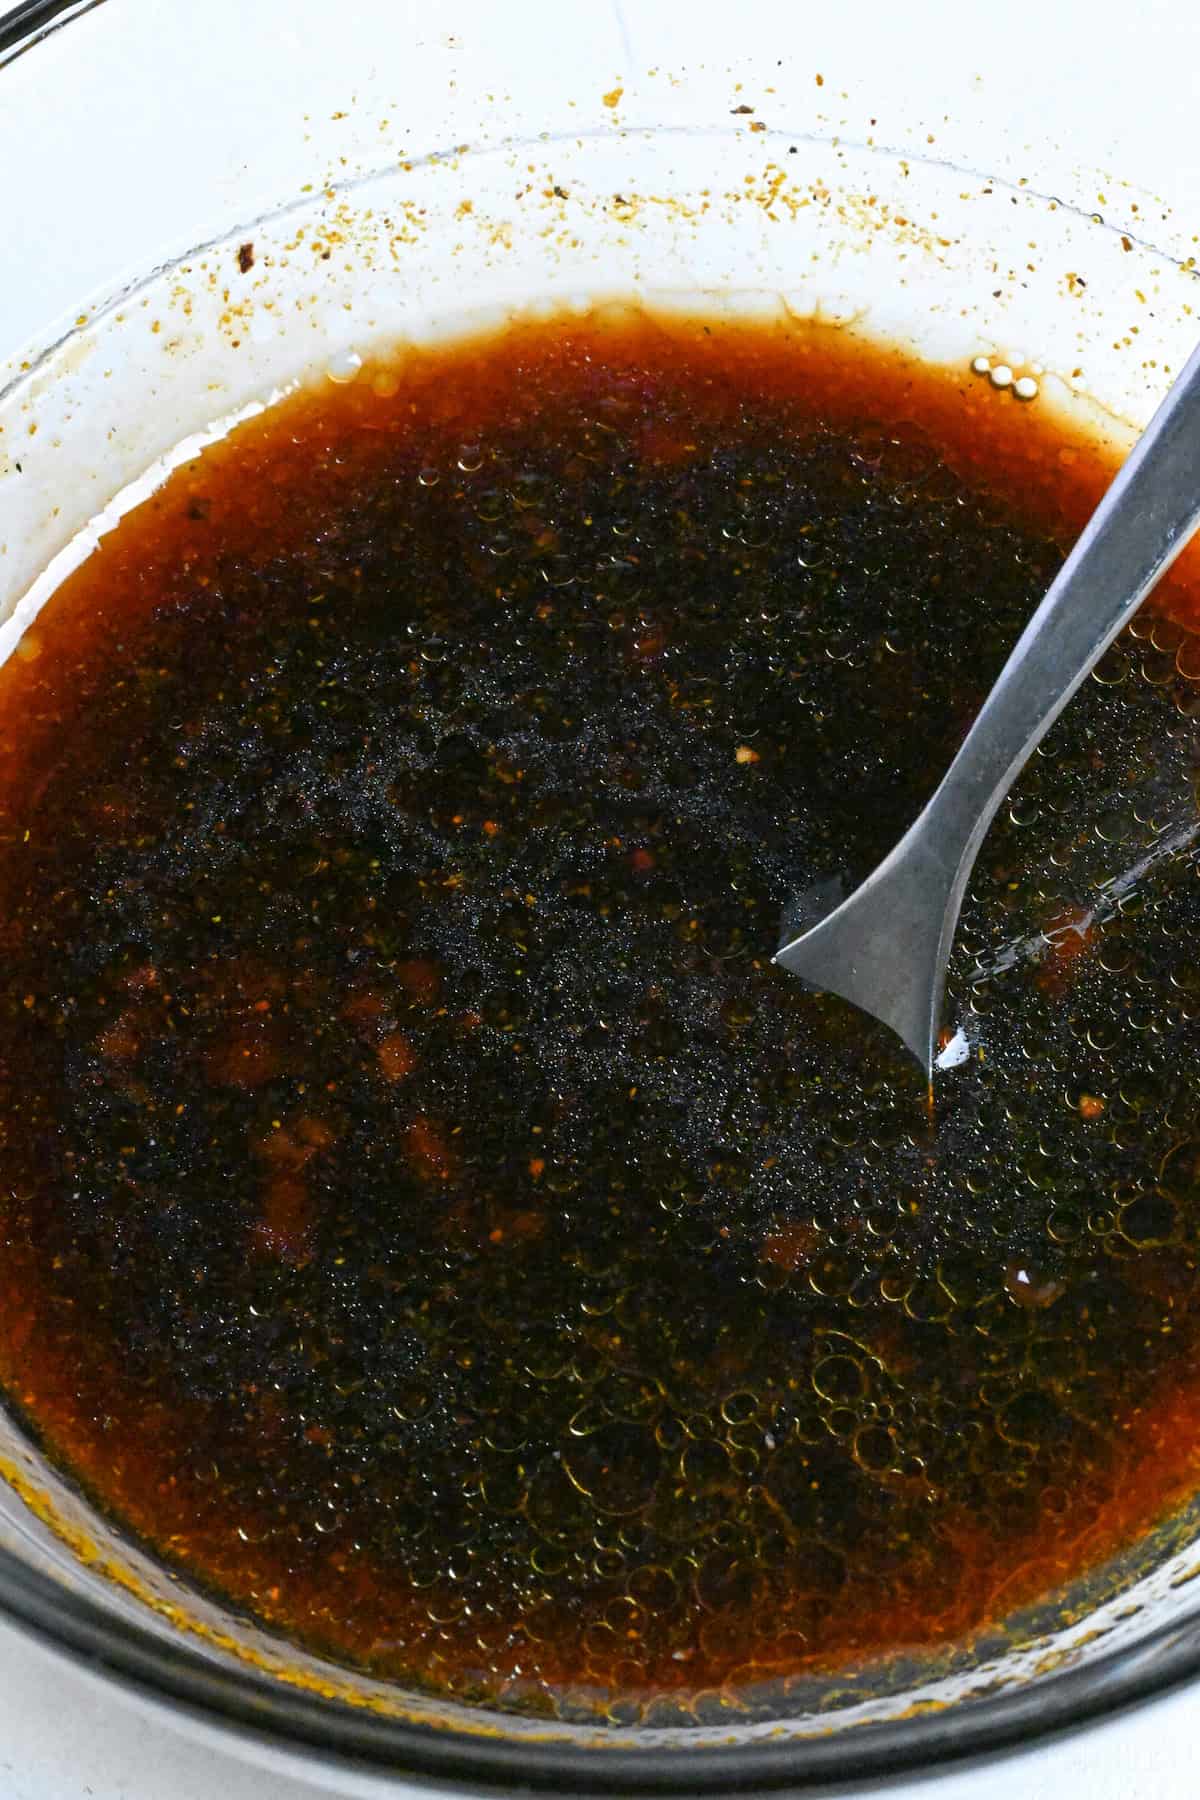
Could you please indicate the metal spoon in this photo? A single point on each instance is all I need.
(886, 947)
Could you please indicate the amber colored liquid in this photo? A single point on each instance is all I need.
(426, 1216)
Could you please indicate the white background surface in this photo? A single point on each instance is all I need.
(1083, 83)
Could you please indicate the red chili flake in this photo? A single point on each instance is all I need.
(649, 643)
(420, 981)
(370, 1013)
(526, 1224)
(281, 1150)
(245, 1059)
(397, 1058)
(287, 1219)
(241, 980)
(790, 1247)
(292, 1147)
(316, 1133)
(521, 1227)
(428, 1149)
(137, 980)
(121, 1041)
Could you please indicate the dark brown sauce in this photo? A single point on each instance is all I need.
(427, 1217)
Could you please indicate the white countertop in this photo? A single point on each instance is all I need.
(64, 1736)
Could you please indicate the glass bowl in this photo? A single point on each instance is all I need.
(400, 175)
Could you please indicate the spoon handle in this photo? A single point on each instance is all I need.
(886, 947)
(1140, 526)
